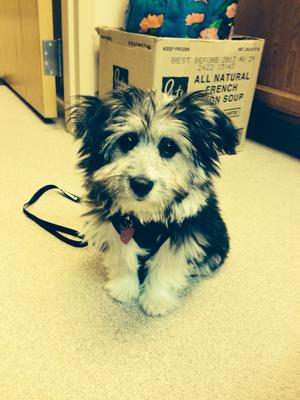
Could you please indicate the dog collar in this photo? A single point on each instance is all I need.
(150, 235)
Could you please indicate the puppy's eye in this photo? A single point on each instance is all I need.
(128, 142)
(167, 148)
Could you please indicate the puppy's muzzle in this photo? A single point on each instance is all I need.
(141, 186)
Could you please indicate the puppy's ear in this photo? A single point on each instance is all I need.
(212, 123)
(87, 118)
(128, 97)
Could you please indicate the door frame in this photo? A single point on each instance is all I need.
(78, 37)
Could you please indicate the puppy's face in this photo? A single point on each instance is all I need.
(143, 153)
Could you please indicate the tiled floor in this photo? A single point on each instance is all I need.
(236, 336)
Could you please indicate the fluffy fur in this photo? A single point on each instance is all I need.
(153, 157)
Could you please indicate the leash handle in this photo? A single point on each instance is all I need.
(54, 229)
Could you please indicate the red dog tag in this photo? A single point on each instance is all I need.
(127, 230)
(127, 234)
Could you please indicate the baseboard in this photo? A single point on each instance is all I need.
(278, 99)
(274, 129)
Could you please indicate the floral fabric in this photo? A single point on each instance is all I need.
(209, 19)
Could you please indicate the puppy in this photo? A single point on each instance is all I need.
(148, 161)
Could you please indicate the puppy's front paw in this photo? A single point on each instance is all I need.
(157, 302)
(123, 289)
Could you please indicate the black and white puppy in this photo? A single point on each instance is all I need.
(148, 162)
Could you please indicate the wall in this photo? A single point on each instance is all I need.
(110, 12)
(279, 77)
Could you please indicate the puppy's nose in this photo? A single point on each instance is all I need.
(140, 185)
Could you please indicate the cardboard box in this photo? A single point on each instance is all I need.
(225, 69)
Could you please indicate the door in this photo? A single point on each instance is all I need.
(24, 24)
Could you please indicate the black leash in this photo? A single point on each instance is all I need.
(150, 236)
(54, 229)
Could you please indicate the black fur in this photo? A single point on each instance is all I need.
(209, 225)
(88, 118)
(210, 139)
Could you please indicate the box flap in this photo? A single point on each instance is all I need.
(130, 39)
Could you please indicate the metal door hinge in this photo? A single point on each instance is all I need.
(52, 57)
